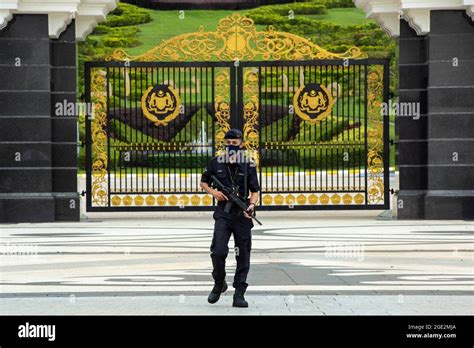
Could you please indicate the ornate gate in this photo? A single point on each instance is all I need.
(312, 121)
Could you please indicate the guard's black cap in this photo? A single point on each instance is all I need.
(233, 134)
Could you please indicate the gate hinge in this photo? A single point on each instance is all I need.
(392, 142)
(83, 193)
(392, 191)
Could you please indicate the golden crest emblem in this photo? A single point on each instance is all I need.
(160, 104)
(313, 102)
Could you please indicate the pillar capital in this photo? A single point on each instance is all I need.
(416, 12)
(87, 13)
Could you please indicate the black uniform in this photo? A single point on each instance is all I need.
(243, 175)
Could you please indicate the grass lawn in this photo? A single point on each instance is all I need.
(167, 24)
(343, 16)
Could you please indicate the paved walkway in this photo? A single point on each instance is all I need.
(323, 263)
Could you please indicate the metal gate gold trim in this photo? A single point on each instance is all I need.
(235, 39)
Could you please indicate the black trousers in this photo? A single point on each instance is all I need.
(240, 227)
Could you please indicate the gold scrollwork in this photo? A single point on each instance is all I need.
(251, 114)
(236, 38)
(222, 106)
(375, 189)
(99, 185)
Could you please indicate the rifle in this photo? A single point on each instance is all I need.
(233, 198)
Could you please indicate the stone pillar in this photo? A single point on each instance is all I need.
(436, 159)
(412, 146)
(38, 173)
(64, 126)
(450, 132)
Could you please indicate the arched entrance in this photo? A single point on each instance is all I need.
(312, 121)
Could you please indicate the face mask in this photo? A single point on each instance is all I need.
(232, 149)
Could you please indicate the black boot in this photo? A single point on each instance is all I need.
(239, 300)
(219, 287)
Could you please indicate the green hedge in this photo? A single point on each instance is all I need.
(128, 31)
(311, 157)
(120, 42)
(279, 130)
(321, 159)
(277, 157)
(335, 3)
(284, 10)
(336, 38)
(322, 132)
(125, 133)
(125, 15)
(267, 15)
(192, 129)
(158, 159)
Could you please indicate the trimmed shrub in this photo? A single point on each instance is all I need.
(336, 3)
(125, 15)
(120, 42)
(159, 159)
(275, 157)
(279, 130)
(327, 156)
(123, 133)
(100, 29)
(322, 132)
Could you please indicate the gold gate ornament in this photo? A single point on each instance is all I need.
(161, 104)
(236, 38)
(313, 102)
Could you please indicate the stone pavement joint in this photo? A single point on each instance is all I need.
(318, 263)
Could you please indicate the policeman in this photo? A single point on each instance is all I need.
(235, 171)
